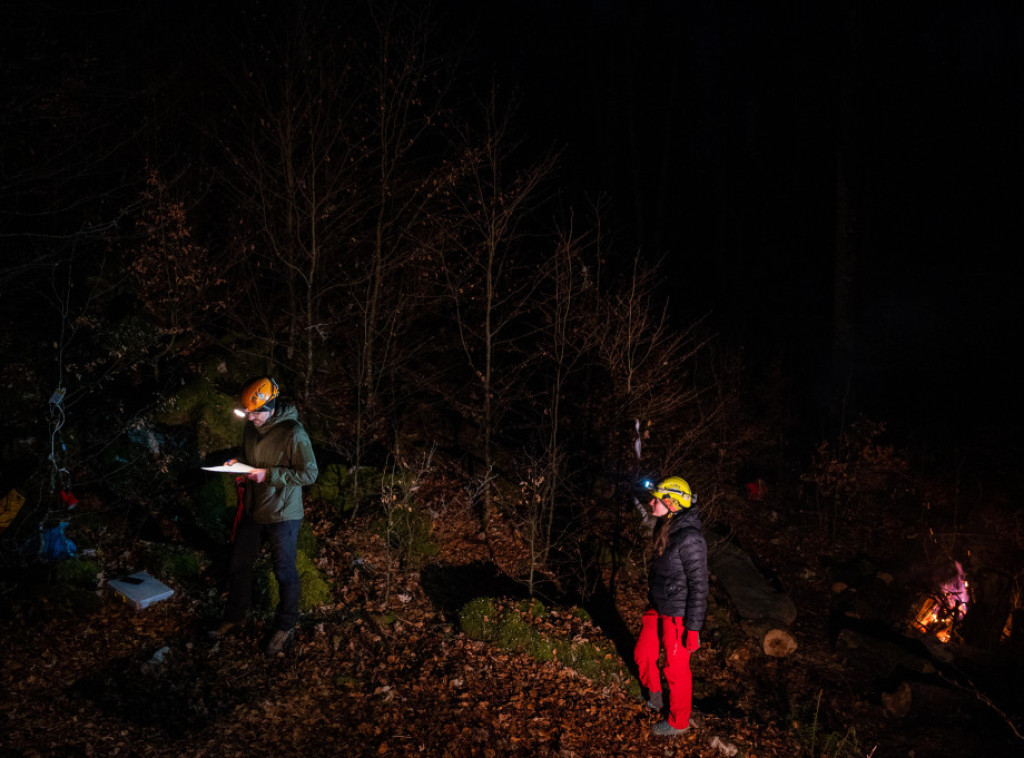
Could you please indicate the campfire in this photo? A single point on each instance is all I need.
(938, 613)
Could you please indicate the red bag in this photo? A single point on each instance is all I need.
(756, 490)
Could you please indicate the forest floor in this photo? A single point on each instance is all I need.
(386, 670)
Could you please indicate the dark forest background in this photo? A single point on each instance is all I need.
(835, 184)
(520, 225)
(510, 258)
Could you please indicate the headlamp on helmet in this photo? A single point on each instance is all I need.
(677, 490)
(259, 394)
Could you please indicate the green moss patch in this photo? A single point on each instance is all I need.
(314, 590)
(409, 532)
(337, 486)
(209, 411)
(174, 563)
(530, 628)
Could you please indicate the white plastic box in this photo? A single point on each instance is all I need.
(143, 594)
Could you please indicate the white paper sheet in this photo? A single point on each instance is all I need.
(234, 468)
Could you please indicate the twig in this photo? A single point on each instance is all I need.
(973, 689)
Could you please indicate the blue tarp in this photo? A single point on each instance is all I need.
(56, 545)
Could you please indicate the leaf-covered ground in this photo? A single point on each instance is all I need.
(386, 670)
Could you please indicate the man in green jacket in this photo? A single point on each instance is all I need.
(276, 445)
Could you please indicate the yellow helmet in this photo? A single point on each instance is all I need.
(258, 393)
(675, 488)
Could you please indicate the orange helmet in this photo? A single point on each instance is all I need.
(258, 393)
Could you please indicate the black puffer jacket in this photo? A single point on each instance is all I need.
(679, 576)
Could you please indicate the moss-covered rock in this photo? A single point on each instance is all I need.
(71, 588)
(410, 532)
(477, 619)
(307, 540)
(534, 607)
(314, 590)
(513, 627)
(336, 485)
(513, 633)
(208, 411)
(174, 563)
(75, 572)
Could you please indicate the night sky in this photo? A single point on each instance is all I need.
(716, 128)
(713, 131)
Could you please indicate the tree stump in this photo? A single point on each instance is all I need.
(778, 643)
(775, 638)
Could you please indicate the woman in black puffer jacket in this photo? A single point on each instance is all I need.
(678, 603)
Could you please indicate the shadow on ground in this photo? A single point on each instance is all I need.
(179, 696)
(451, 587)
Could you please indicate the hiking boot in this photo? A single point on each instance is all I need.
(281, 639)
(664, 729)
(655, 701)
(222, 631)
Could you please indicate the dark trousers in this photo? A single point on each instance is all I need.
(283, 537)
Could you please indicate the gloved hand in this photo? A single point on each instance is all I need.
(691, 640)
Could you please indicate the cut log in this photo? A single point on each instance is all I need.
(775, 638)
(778, 643)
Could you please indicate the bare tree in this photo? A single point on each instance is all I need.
(294, 151)
(645, 394)
(651, 366)
(568, 296)
(336, 166)
(405, 83)
(489, 276)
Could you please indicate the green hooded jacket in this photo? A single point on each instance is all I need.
(282, 447)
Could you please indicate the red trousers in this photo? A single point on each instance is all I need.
(657, 631)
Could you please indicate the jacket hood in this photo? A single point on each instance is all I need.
(283, 413)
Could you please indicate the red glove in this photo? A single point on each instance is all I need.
(691, 640)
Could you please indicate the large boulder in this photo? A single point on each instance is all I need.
(754, 597)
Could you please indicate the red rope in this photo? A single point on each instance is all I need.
(240, 489)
